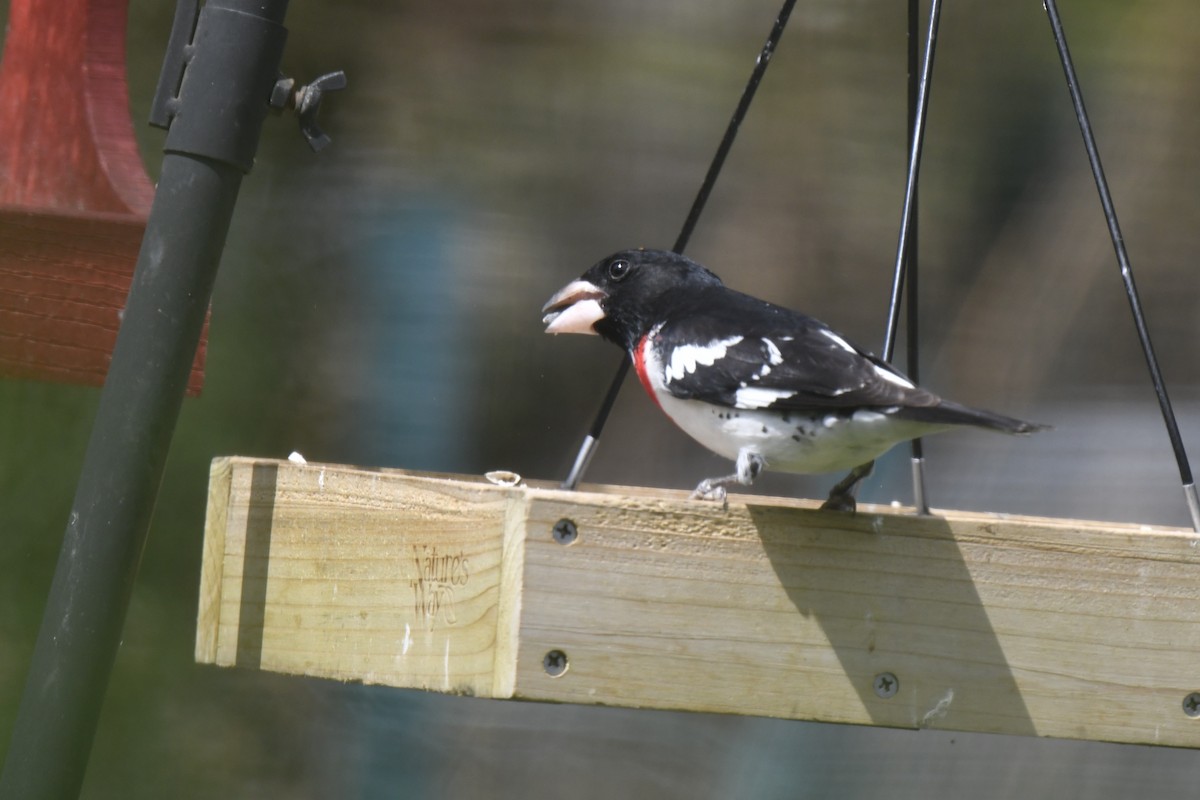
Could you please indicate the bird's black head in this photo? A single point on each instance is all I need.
(624, 295)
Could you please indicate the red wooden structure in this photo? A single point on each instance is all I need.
(74, 195)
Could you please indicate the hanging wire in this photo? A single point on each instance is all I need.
(1114, 230)
(910, 182)
(906, 248)
(588, 448)
(913, 355)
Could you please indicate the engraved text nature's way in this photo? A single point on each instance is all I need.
(438, 574)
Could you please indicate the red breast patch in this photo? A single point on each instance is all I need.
(639, 364)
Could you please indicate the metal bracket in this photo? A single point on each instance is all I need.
(306, 101)
(205, 104)
(179, 52)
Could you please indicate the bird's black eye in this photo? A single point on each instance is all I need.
(618, 269)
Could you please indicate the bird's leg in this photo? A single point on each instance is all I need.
(841, 497)
(748, 466)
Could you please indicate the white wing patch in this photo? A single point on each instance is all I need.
(774, 357)
(839, 341)
(758, 397)
(892, 377)
(685, 358)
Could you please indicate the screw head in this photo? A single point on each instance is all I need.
(565, 532)
(886, 685)
(1191, 705)
(555, 663)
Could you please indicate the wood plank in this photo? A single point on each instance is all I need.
(333, 572)
(212, 575)
(770, 607)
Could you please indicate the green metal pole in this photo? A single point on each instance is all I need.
(222, 101)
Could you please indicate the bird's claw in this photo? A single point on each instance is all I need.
(840, 502)
(712, 492)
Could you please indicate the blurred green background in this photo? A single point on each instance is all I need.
(379, 304)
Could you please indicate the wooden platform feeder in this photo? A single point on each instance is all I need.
(641, 598)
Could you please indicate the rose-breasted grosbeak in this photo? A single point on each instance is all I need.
(763, 385)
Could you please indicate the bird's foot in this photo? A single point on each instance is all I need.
(712, 490)
(748, 465)
(840, 502)
(841, 497)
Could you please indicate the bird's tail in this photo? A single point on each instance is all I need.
(948, 413)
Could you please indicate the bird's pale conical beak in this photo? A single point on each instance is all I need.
(575, 308)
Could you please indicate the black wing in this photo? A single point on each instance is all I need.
(746, 353)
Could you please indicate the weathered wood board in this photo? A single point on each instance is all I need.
(968, 622)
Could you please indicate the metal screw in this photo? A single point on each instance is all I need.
(555, 663)
(886, 685)
(1191, 705)
(565, 531)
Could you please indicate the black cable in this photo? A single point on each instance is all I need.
(1114, 230)
(906, 249)
(739, 113)
(587, 449)
(912, 356)
(910, 182)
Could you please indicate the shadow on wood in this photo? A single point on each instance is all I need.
(901, 613)
(255, 560)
